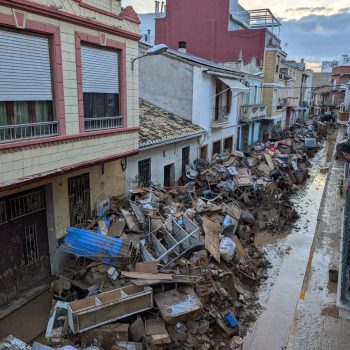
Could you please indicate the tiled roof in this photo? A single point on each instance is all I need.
(158, 126)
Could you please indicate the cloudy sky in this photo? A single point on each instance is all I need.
(316, 30)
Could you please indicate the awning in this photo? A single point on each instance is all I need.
(233, 84)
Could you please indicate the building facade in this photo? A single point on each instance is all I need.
(200, 91)
(68, 119)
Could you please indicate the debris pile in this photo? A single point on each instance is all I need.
(177, 268)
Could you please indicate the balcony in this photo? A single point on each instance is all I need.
(19, 132)
(221, 117)
(251, 113)
(92, 124)
(282, 104)
(293, 102)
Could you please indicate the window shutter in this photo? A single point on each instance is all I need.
(100, 70)
(25, 71)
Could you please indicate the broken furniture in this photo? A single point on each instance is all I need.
(177, 306)
(107, 307)
(165, 246)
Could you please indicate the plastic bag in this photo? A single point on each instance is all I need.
(227, 249)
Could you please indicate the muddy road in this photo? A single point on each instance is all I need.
(289, 255)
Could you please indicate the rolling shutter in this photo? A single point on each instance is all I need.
(25, 71)
(100, 70)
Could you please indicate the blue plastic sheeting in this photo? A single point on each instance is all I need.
(93, 245)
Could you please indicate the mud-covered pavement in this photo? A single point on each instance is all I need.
(288, 255)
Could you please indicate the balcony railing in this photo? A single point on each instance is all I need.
(17, 132)
(252, 112)
(221, 117)
(102, 123)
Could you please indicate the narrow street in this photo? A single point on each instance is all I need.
(289, 257)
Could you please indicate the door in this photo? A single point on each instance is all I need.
(79, 199)
(288, 118)
(204, 153)
(169, 175)
(185, 158)
(24, 249)
(144, 172)
(245, 138)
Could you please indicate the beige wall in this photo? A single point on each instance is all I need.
(19, 163)
(102, 186)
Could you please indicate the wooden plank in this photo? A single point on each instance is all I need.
(147, 267)
(239, 246)
(147, 276)
(132, 224)
(211, 230)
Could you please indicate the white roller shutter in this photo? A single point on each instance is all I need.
(25, 70)
(100, 70)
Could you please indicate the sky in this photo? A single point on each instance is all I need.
(315, 30)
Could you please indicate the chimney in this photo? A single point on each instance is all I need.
(157, 7)
(182, 46)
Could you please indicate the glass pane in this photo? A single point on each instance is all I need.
(21, 112)
(100, 106)
(42, 111)
(3, 117)
(111, 98)
(88, 112)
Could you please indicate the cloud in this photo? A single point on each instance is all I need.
(315, 37)
(310, 9)
(344, 9)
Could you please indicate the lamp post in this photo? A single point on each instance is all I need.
(155, 50)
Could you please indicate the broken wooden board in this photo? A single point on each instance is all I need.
(130, 221)
(117, 227)
(237, 153)
(264, 168)
(147, 276)
(269, 161)
(156, 332)
(147, 267)
(239, 247)
(212, 232)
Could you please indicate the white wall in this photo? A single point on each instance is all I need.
(204, 86)
(173, 154)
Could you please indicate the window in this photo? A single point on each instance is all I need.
(216, 147)
(228, 144)
(26, 108)
(145, 173)
(100, 69)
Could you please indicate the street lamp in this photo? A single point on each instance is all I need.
(155, 50)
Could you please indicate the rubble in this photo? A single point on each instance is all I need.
(190, 249)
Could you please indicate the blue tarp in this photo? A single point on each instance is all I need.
(93, 245)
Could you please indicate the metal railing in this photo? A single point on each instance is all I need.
(102, 123)
(19, 132)
(252, 112)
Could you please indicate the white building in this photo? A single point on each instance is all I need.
(200, 91)
(167, 144)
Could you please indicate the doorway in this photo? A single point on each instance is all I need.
(185, 158)
(204, 152)
(245, 132)
(169, 175)
(24, 250)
